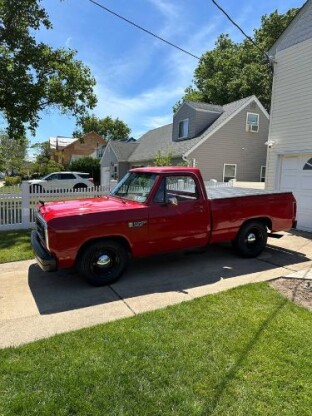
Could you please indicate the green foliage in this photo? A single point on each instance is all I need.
(108, 128)
(89, 165)
(232, 71)
(44, 163)
(12, 180)
(15, 246)
(35, 76)
(12, 153)
(52, 166)
(162, 160)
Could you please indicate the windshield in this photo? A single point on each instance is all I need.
(135, 186)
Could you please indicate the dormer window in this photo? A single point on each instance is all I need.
(252, 122)
(183, 128)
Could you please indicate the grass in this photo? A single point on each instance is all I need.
(247, 351)
(15, 245)
(14, 189)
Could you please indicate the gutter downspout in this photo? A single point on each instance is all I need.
(190, 163)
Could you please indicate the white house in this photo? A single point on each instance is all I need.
(289, 159)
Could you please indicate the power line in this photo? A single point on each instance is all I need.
(143, 29)
(241, 30)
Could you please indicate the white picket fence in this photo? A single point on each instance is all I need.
(18, 204)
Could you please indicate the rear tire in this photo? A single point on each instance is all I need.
(251, 239)
(103, 262)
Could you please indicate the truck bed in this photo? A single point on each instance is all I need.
(234, 192)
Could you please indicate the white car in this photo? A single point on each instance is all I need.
(61, 180)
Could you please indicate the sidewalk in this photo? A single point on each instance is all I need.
(35, 305)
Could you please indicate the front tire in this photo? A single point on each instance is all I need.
(251, 239)
(103, 262)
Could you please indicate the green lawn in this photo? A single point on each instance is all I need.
(247, 351)
(15, 189)
(15, 245)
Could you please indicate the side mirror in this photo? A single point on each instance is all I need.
(172, 201)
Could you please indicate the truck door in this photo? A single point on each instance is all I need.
(178, 215)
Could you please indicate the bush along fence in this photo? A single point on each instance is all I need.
(18, 203)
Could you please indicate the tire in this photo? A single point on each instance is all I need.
(79, 186)
(251, 239)
(103, 262)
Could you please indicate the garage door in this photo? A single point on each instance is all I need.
(296, 176)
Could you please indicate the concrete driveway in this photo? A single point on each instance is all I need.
(35, 305)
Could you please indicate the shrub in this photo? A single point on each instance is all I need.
(12, 180)
(88, 165)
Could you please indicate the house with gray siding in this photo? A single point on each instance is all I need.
(289, 161)
(225, 142)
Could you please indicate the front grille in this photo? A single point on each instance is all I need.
(41, 227)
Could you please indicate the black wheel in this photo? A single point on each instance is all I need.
(251, 239)
(80, 186)
(103, 262)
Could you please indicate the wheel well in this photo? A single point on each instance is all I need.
(264, 220)
(80, 185)
(121, 240)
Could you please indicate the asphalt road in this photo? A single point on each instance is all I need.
(35, 305)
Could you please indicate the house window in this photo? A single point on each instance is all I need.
(229, 172)
(183, 128)
(308, 165)
(115, 172)
(262, 174)
(252, 122)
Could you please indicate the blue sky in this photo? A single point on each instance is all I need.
(139, 78)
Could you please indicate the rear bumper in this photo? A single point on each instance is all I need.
(45, 260)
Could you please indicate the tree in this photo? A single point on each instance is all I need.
(43, 163)
(162, 160)
(12, 153)
(35, 76)
(232, 71)
(89, 165)
(108, 128)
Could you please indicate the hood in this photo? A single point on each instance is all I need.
(35, 181)
(60, 209)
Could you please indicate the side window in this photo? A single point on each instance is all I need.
(52, 177)
(252, 122)
(183, 188)
(183, 128)
(308, 165)
(229, 172)
(66, 176)
(262, 173)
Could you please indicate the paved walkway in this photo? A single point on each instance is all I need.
(35, 305)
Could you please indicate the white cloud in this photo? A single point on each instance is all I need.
(167, 8)
(68, 42)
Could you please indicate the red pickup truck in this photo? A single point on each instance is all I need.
(155, 210)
